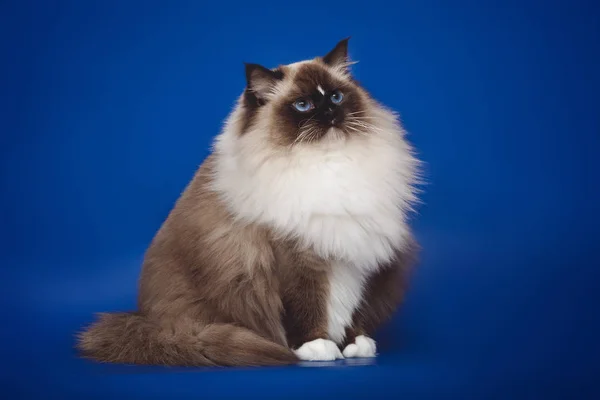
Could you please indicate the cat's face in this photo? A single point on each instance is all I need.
(307, 101)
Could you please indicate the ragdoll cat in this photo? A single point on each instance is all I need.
(290, 243)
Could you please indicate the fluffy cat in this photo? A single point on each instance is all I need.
(290, 243)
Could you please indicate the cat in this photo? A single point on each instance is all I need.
(290, 243)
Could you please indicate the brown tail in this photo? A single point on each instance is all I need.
(131, 338)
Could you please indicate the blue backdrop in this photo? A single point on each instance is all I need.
(109, 106)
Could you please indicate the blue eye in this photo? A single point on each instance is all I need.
(303, 105)
(337, 97)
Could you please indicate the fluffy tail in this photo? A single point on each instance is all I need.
(131, 338)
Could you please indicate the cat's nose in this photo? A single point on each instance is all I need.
(332, 115)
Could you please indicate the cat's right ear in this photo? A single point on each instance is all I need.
(261, 81)
(338, 56)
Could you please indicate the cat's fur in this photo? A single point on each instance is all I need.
(291, 242)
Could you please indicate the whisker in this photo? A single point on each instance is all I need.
(362, 127)
(362, 117)
(303, 133)
(304, 122)
(313, 134)
(353, 129)
(307, 134)
(355, 113)
(363, 124)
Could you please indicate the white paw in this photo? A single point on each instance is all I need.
(363, 346)
(319, 350)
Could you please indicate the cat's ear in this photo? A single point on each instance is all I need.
(338, 56)
(261, 81)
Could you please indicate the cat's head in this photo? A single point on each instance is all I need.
(307, 101)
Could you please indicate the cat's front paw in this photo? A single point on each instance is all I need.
(363, 346)
(319, 350)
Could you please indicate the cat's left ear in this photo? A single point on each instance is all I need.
(261, 81)
(338, 57)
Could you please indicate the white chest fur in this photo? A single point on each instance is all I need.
(346, 285)
(346, 200)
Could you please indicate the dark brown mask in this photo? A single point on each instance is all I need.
(306, 101)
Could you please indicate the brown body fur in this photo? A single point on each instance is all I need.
(216, 292)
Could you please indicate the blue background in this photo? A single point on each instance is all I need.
(109, 106)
